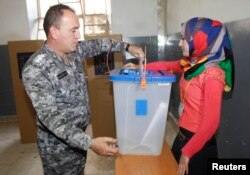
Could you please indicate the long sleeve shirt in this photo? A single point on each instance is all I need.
(58, 90)
(201, 97)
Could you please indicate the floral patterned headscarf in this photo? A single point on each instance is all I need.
(209, 44)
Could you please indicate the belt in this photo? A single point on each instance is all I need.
(186, 135)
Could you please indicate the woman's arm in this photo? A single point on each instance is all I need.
(172, 66)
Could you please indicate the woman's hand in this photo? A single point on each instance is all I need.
(183, 165)
(136, 51)
(131, 66)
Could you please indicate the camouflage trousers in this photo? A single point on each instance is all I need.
(58, 158)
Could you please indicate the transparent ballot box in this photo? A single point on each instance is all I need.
(141, 112)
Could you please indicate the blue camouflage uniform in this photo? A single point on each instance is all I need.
(58, 92)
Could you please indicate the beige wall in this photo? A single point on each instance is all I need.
(13, 21)
(179, 11)
(133, 18)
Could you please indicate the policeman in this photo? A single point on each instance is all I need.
(54, 80)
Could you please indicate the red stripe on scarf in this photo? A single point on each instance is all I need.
(200, 43)
(216, 23)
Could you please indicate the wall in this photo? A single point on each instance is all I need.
(7, 104)
(137, 22)
(14, 21)
(14, 26)
(134, 18)
(233, 136)
(179, 11)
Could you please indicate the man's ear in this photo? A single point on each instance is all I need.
(54, 32)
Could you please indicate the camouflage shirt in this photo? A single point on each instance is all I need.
(58, 90)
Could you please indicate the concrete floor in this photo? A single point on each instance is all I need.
(23, 159)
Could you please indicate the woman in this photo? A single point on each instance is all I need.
(207, 70)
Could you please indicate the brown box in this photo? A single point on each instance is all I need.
(101, 94)
(19, 52)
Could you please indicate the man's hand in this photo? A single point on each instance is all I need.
(104, 146)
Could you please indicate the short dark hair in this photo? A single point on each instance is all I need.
(53, 16)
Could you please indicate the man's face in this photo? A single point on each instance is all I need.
(68, 33)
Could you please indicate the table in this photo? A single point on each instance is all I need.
(164, 164)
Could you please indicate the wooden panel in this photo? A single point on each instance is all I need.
(102, 108)
(147, 165)
(101, 95)
(25, 112)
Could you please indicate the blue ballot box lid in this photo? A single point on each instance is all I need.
(131, 75)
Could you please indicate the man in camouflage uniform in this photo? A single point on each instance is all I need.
(54, 80)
